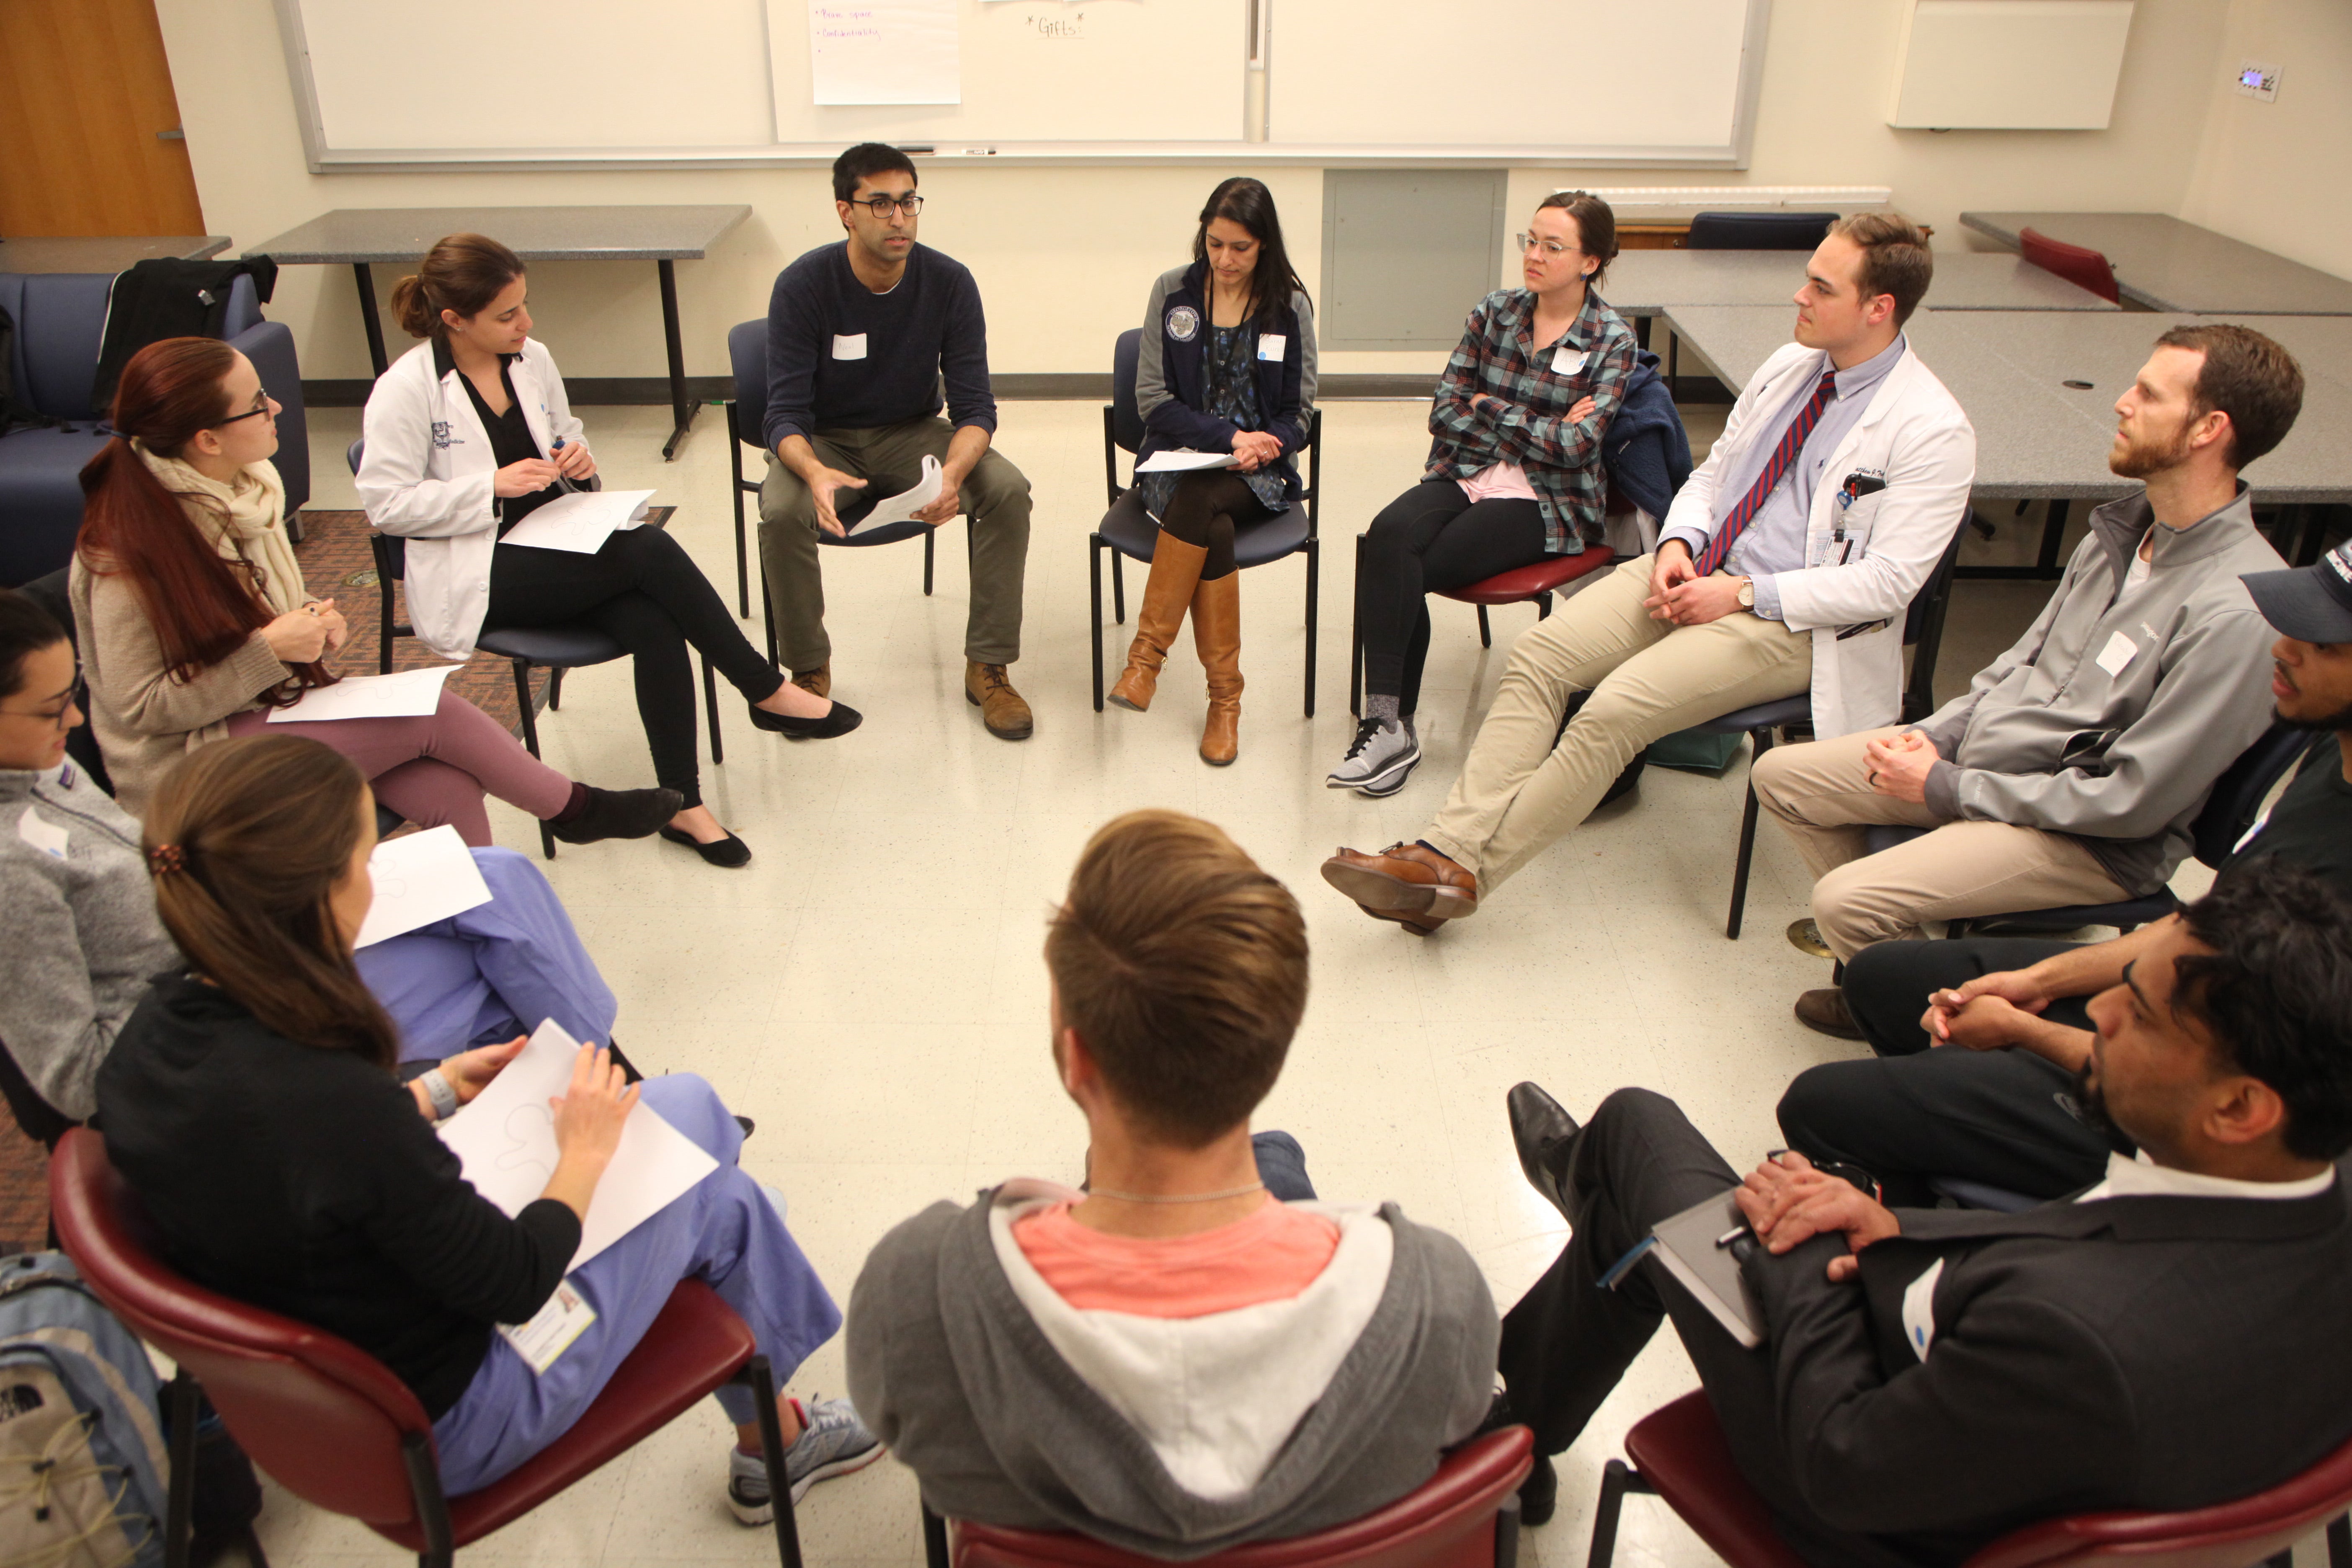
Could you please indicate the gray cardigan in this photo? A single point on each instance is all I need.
(2113, 715)
(948, 1369)
(83, 937)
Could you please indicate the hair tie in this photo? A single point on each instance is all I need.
(168, 860)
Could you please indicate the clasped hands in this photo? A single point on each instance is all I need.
(1986, 1013)
(1898, 766)
(1787, 1202)
(572, 461)
(306, 634)
(1680, 596)
(1254, 449)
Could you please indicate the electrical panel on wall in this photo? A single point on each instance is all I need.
(2009, 65)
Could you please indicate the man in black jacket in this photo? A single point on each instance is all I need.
(1931, 1380)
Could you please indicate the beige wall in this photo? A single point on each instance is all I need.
(1065, 255)
(2278, 175)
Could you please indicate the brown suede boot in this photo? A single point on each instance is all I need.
(1175, 572)
(1217, 638)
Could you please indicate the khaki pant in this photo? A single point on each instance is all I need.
(1821, 793)
(1519, 790)
(995, 498)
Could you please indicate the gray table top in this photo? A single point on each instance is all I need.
(2036, 436)
(2168, 265)
(106, 254)
(535, 233)
(1645, 282)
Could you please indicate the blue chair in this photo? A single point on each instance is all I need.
(2228, 811)
(1126, 529)
(1759, 231)
(554, 648)
(747, 354)
(1923, 634)
(61, 321)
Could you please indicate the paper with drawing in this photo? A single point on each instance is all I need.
(423, 877)
(505, 1141)
(411, 694)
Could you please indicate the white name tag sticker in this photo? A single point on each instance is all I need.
(1919, 1311)
(46, 837)
(551, 1329)
(1566, 361)
(849, 346)
(1272, 345)
(2120, 651)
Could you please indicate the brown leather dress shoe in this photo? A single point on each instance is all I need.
(1825, 1012)
(818, 682)
(1001, 709)
(1404, 880)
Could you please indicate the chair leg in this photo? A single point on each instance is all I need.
(1617, 1479)
(2339, 1541)
(531, 742)
(1763, 739)
(768, 614)
(710, 705)
(771, 1452)
(1119, 588)
(742, 561)
(179, 1510)
(935, 1539)
(1314, 565)
(1485, 632)
(554, 688)
(928, 541)
(2280, 1559)
(1094, 599)
(1543, 605)
(1506, 1533)
(432, 1507)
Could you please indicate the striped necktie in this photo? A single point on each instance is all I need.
(1792, 441)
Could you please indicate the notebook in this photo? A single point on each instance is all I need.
(1686, 1245)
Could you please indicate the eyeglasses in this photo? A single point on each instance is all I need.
(77, 698)
(1550, 246)
(880, 205)
(250, 412)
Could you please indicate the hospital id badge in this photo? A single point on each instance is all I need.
(551, 1329)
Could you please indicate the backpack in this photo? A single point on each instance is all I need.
(14, 411)
(82, 1462)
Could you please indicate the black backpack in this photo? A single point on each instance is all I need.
(15, 412)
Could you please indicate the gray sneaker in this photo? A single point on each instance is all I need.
(835, 1443)
(1379, 761)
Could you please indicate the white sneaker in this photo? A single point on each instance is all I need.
(833, 1442)
(1380, 760)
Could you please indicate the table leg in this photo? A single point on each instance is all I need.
(681, 411)
(2045, 568)
(1642, 331)
(2053, 532)
(368, 317)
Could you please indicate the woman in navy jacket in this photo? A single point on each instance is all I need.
(1227, 367)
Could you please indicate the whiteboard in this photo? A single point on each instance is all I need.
(726, 83)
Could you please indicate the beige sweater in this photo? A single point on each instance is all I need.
(144, 718)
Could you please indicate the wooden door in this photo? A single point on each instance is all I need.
(89, 124)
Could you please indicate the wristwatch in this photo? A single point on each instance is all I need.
(1748, 593)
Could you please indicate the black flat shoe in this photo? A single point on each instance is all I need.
(840, 721)
(1546, 1136)
(619, 814)
(730, 852)
(1539, 1493)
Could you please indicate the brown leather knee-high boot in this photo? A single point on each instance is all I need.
(1217, 636)
(1175, 572)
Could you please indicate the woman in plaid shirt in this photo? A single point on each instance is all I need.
(1515, 471)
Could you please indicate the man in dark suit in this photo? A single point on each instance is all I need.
(1930, 1380)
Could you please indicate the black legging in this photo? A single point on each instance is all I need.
(1427, 539)
(1206, 506)
(644, 591)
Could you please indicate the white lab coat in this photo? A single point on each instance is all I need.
(1864, 563)
(426, 475)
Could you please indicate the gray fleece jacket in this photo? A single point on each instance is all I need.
(83, 937)
(2113, 715)
(947, 1366)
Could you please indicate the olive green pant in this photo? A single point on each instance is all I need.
(995, 504)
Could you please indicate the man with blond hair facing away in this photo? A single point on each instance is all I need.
(1170, 1361)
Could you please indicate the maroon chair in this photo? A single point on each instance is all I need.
(1464, 1516)
(2082, 268)
(332, 1424)
(1679, 1453)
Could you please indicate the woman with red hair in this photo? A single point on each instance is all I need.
(195, 625)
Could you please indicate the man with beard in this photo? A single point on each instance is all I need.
(1992, 1101)
(1930, 1380)
(2070, 771)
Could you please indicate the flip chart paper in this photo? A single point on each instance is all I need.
(411, 694)
(902, 507)
(580, 522)
(505, 1143)
(420, 879)
(885, 51)
(1184, 462)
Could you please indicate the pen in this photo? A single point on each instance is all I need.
(1733, 1234)
(566, 486)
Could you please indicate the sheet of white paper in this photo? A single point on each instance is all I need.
(423, 877)
(411, 694)
(580, 521)
(902, 507)
(885, 51)
(1181, 462)
(505, 1142)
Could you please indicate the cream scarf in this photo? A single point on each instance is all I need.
(254, 529)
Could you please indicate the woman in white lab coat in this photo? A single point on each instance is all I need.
(469, 432)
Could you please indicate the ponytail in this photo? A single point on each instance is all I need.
(462, 272)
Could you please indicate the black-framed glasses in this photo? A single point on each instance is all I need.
(880, 205)
(250, 412)
(77, 698)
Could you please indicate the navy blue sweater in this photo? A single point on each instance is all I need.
(929, 326)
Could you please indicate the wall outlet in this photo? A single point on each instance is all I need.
(2256, 80)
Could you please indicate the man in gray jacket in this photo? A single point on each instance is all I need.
(2070, 771)
(1169, 1359)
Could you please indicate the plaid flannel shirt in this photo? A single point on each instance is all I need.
(1562, 461)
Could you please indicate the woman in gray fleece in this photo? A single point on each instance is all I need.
(1170, 1360)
